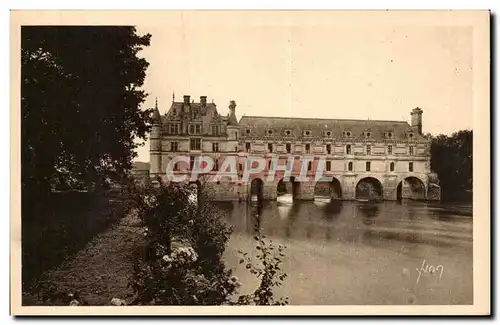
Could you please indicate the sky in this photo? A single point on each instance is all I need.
(317, 64)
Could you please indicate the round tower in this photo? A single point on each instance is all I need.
(155, 143)
(416, 119)
(233, 128)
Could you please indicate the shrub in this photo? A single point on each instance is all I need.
(182, 262)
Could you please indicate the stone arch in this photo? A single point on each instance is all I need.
(257, 188)
(336, 189)
(331, 189)
(369, 188)
(411, 188)
(281, 187)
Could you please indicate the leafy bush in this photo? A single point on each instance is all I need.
(269, 272)
(182, 262)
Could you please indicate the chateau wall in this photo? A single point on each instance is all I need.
(340, 143)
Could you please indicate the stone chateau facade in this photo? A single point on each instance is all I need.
(367, 159)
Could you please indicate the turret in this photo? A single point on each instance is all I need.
(232, 123)
(155, 142)
(416, 119)
(232, 113)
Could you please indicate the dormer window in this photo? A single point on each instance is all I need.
(288, 132)
(328, 133)
(347, 133)
(307, 133)
(248, 131)
(173, 129)
(388, 135)
(269, 132)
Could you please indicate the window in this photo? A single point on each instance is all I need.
(328, 166)
(349, 166)
(329, 149)
(347, 133)
(216, 165)
(307, 133)
(240, 167)
(269, 164)
(270, 147)
(308, 147)
(235, 148)
(309, 166)
(288, 148)
(328, 133)
(368, 166)
(389, 150)
(176, 168)
(389, 134)
(247, 146)
(215, 147)
(348, 149)
(392, 167)
(410, 167)
(191, 162)
(195, 144)
(411, 150)
(174, 129)
(288, 132)
(215, 130)
(368, 150)
(269, 132)
(174, 146)
(248, 131)
(194, 129)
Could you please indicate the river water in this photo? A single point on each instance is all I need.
(356, 253)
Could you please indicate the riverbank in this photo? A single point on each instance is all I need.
(98, 273)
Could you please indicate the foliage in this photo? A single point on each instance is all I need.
(451, 159)
(269, 272)
(80, 98)
(182, 262)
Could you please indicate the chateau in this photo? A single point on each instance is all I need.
(365, 159)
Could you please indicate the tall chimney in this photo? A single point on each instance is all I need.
(186, 99)
(203, 100)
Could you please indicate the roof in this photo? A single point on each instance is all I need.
(178, 106)
(156, 116)
(257, 126)
(232, 120)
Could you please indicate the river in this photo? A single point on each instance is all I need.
(353, 253)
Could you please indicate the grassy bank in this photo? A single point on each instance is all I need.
(55, 228)
(98, 272)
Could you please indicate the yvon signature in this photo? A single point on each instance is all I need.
(427, 269)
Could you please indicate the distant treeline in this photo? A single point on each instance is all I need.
(451, 159)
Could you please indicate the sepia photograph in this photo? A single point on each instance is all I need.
(319, 162)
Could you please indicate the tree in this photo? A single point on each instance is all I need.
(80, 104)
(451, 159)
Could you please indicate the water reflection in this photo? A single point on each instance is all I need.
(366, 251)
(389, 223)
